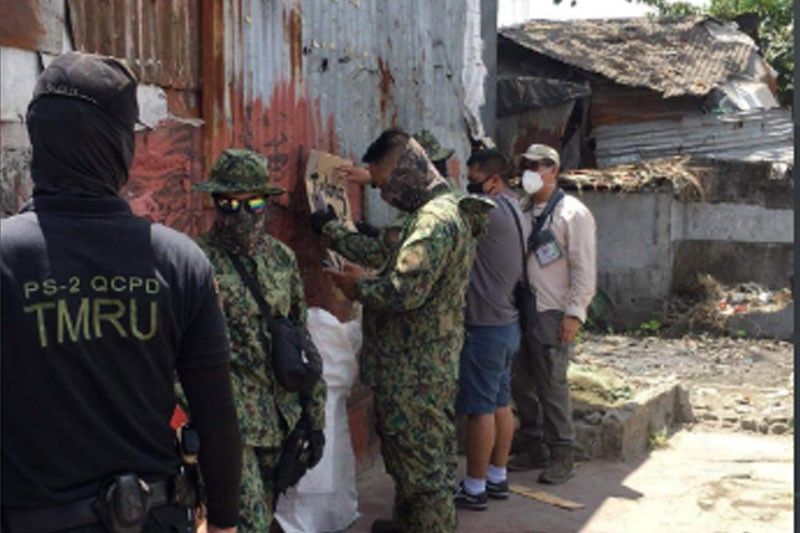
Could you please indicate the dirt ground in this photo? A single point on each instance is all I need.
(734, 384)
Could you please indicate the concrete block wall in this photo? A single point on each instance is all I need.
(634, 252)
(733, 243)
(744, 228)
(651, 244)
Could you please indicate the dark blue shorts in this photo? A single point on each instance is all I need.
(484, 381)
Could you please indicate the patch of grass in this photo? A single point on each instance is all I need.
(658, 440)
(595, 388)
(650, 328)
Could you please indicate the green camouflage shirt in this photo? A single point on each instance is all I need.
(365, 250)
(266, 411)
(372, 252)
(414, 306)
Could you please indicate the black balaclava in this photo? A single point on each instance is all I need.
(80, 123)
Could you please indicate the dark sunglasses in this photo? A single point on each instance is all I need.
(536, 165)
(255, 204)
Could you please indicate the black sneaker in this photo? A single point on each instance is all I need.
(465, 500)
(497, 491)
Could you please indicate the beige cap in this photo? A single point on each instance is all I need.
(537, 152)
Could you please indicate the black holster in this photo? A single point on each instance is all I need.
(187, 487)
(294, 459)
(124, 503)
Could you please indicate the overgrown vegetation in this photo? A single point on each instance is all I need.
(594, 388)
(599, 313)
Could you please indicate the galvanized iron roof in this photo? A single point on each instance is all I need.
(672, 56)
(517, 94)
(757, 135)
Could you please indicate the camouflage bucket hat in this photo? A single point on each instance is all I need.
(430, 143)
(238, 170)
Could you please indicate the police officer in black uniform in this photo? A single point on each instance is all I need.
(100, 308)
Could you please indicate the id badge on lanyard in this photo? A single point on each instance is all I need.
(547, 248)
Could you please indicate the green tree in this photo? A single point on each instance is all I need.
(776, 33)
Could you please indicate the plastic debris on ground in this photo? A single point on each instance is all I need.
(710, 305)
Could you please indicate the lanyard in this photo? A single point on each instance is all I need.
(557, 196)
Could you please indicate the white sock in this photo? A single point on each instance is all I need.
(474, 486)
(497, 474)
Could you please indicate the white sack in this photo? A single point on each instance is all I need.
(325, 499)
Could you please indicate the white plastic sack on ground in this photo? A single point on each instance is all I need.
(326, 499)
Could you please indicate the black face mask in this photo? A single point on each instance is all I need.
(476, 188)
(77, 148)
(239, 232)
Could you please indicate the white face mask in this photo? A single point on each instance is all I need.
(532, 181)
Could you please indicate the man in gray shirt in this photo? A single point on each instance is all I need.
(493, 335)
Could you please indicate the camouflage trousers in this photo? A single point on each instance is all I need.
(416, 426)
(258, 465)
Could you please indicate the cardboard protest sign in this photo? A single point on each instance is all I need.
(324, 188)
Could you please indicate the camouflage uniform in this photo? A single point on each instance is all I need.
(437, 154)
(413, 333)
(373, 251)
(432, 146)
(267, 412)
(367, 250)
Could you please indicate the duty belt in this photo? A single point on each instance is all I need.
(75, 514)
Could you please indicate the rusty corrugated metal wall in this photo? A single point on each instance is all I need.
(288, 76)
(160, 39)
(29, 30)
(333, 74)
(277, 76)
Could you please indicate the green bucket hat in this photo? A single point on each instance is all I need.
(430, 143)
(238, 170)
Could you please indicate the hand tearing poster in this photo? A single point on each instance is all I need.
(324, 189)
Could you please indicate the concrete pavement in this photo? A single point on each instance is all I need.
(701, 482)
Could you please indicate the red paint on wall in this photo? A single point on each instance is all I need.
(168, 161)
(285, 129)
(364, 440)
(385, 87)
(454, 170)
(293, 29)
(20, 24)
(183, 104)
